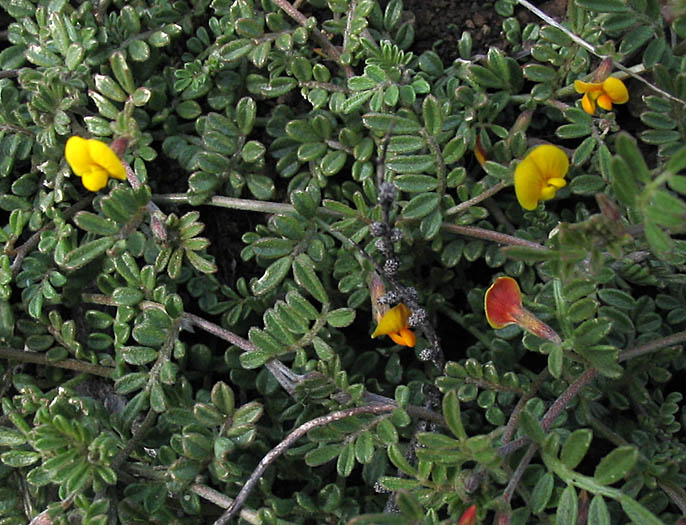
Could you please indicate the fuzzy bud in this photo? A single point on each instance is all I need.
(377, 228)
(387, 192)
(391, 266)
(382, 245)
(389, 298)
(396, 235)
(417, 318)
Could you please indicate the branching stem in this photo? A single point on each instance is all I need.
(294, 436)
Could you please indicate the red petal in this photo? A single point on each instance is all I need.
(502, 302)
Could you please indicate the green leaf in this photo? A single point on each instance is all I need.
(452, 415)
(95, 224)
(567, 507)
(246, 111)
(139, 51)
(341, 317)
(628, 150)
(415, 183)
(431, 111)
(322, 455)
(19, 458)
(126, 296)
(386, 123)
(531, 427)
(539, 73)
(273, 275)
(597, 511)
(616, 465)
(576, 446)
(346, 460)
(333, 162)
(305, 276)
(138, 355)
(236, 49)
(122, 72)
(637, 513)
(81, 256)
(364, 447)
(540, 495)
(603, 6)
(421, 205)
(412, 163)
(398, 459)
(555, 361)
(591, 332)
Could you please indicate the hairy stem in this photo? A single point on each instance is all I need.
(282, 447)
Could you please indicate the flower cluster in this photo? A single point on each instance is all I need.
(611, 91)
(93, 161)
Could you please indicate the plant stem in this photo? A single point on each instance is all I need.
(69, 364)
(670, 340)
(475, 200)
(490, 235)
(294, 436)
(320, 37)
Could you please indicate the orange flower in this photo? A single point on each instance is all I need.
(503, 305)
(394, 324)
(611, 91)
(469, 516)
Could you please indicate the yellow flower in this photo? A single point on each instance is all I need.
(93, 161)
(603, 94)
(394, 324)
(540, 175)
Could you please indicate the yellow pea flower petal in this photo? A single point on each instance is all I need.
(78, 155)
(587, 87)
(611, 91)
(588, 104)
(95, 180)
(394, 323)
(616, 90)
(605, 102)
(527, 183)
(93, 161)
(539, 175)
(404, 337)
(106, 158)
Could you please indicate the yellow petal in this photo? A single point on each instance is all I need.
(78, 156)
(586, 87)
(404, 337)
(557, 183)
(588, 104)
(95, 180)
(103, 156)
(551, 161)
(393, 321)
(616, 90)
(605, 102)
(528, 181)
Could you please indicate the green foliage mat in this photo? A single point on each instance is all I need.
(350, 187)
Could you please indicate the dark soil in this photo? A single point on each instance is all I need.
(439, 24)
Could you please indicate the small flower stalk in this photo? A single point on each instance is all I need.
(503, 305)
(94, 161)
(539, 175)
(393, 322)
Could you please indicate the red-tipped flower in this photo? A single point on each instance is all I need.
(503, 305)
(469, 516)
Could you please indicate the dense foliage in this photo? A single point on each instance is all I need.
(147, 373)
